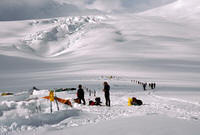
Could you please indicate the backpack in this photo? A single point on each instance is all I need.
(91, 102)
(139, 102)
(98, 101)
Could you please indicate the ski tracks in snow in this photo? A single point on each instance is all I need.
(176, 107)
(155, 103)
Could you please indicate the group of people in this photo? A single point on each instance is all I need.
(106, 90)
(151, 85)
(144, 84)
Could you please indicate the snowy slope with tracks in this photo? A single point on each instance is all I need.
(154, 41)
(25, 114)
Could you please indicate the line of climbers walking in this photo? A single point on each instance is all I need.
(145, 84)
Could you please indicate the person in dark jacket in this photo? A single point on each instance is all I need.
(80, 94)
(154, 85)
(107, 93)
(144, 85)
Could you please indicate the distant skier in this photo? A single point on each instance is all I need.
(80, 94)
(107, 93)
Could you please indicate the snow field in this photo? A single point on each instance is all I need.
(161, 44)
(34, 113)
(73, 48)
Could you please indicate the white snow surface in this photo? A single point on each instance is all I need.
(25, 117)
(182, 9)
(63, 43)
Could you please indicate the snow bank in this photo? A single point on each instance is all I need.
(164, 108)
(36, 120)
(151, 125)
(32, 112)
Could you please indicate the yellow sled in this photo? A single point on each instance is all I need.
(130, 100)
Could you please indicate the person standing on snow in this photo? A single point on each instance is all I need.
(144, 85)
(80, 94)
(107, 93)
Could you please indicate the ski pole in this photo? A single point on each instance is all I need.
(56, 100)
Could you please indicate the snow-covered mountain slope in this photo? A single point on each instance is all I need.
(112, 6)
(11, 10)
(159, 45)
(139, 47)
(182, 9)
(55, 36)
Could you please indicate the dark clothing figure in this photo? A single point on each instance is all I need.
(144, 85)
(34, 88)
(107, 93)
(154, 85)
(80, 94)
(149, 85)
(98, 101)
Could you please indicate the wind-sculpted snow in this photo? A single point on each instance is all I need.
(34, 112)
(58, 36)
(31, 113)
